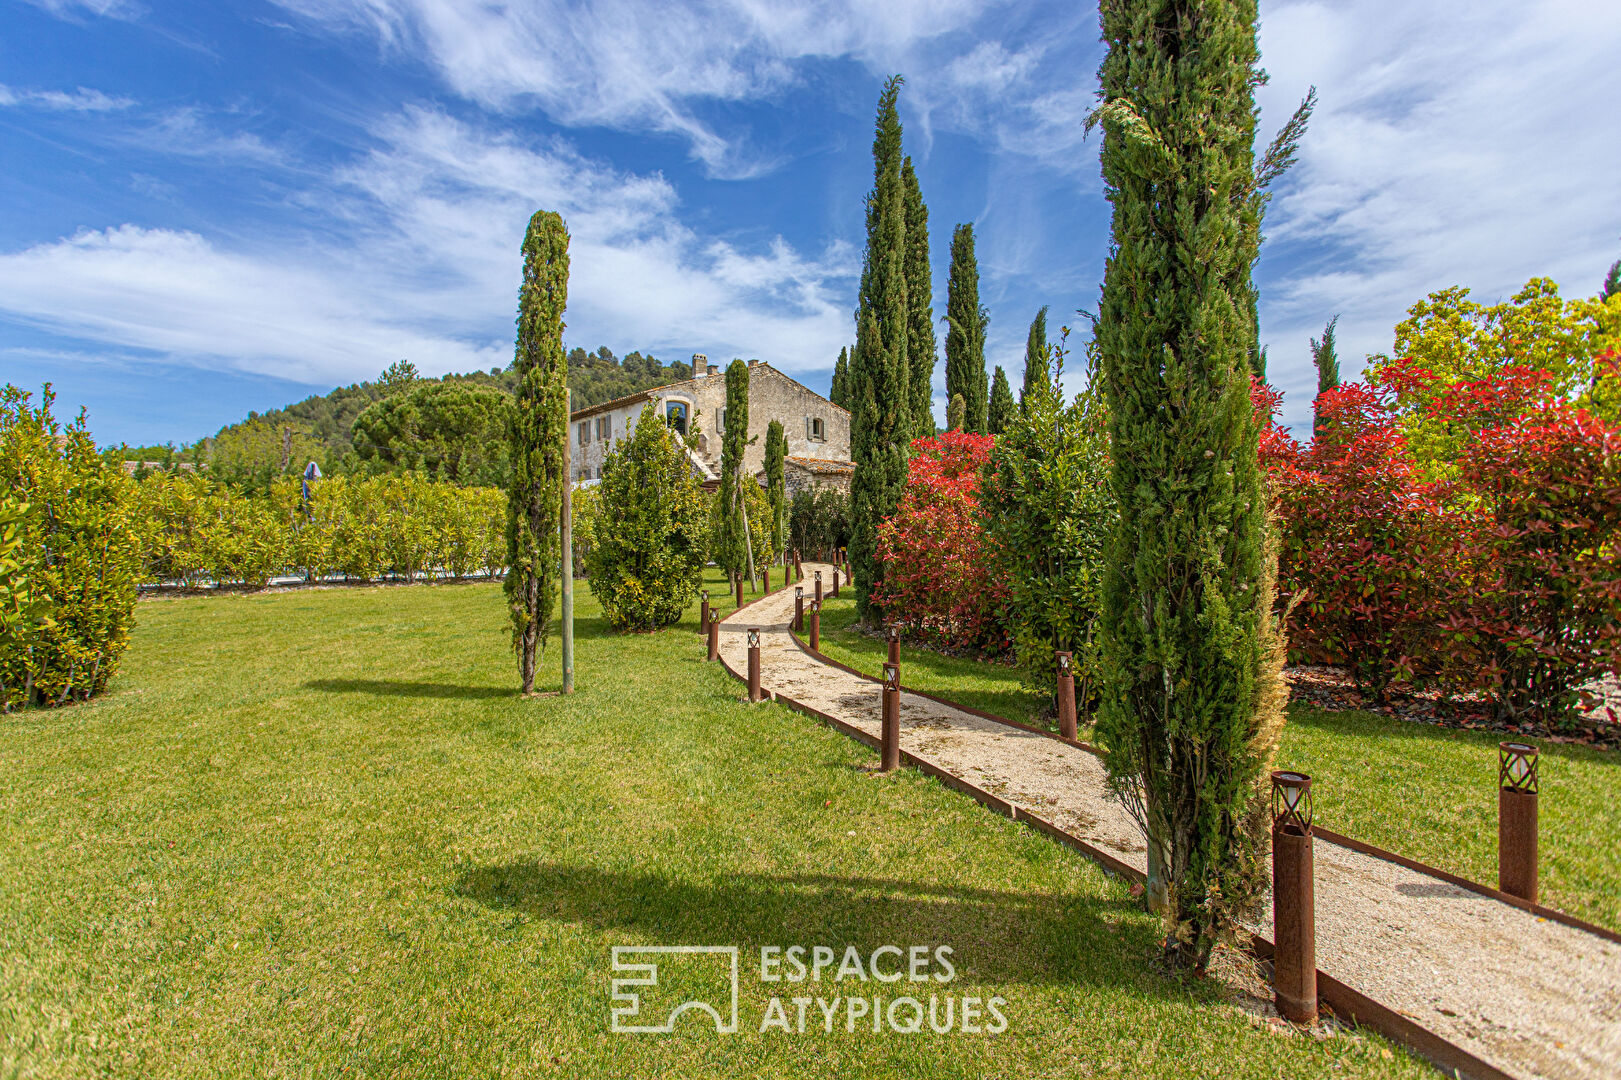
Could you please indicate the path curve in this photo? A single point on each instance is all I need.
(1529, 996)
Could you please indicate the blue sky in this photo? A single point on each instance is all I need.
(207, 208)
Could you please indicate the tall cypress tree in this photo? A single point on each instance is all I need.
(776, 449)
(1612, 282)
(1327, 362)
(956, 413)
(881, 425)
(1191, 695)
(921, 346)
(966, 323)
(734, 553)
(539, 427)
(1037, 358)
(1003, 409)
(839, 392)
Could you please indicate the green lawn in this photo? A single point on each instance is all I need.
(316, 833)
(1425, 792)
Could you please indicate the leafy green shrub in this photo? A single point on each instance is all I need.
(818, 521)
(647, 565)
(69, 582)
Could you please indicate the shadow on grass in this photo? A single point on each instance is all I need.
(997, 936)
(400, 688)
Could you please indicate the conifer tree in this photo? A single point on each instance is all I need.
(776, 449)
(921, 346)
(880, 428)
(734, 550)
(966, 322)
(956, 412)
(839, 393)
(539, 429)
(1037, 357)
(1327, 362)
(1002, 409)
(1191, 694)
(1612, 282)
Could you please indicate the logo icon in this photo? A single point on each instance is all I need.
(691, 983)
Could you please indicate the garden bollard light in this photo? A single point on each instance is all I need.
(818, 586)
(799, 609)
(1066, 694)
(1517, 787)
(740, 590)
(894, 645)
(835, 582)
(816, 626)
(754, 665)
(714, 635)
(703, 615)
(1294, 918)
(889, 730)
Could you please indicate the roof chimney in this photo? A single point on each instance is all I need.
(700, 365)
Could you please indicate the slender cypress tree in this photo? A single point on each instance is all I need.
(735, 552)
(881, 426)
(966, 322)
(839, 393)
(1191, 695)
(1037, 358)
(538, 434)
(776, 449)
(1612, 282)
(956, 413)
(1002, 409)
(921, 346)
(1327, 363)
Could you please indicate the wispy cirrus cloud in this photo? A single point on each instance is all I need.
(81, 99)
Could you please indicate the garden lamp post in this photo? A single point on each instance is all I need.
(816, 626)
(894, 645)
(1517, 787)
(835, 581)
(714, 635)
(1066, 693)
(889, 731)
(754, 664)
(1294, 920)
(799, 609)
(818, 586)
(740, 589)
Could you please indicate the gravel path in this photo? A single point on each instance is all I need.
(1532, 997)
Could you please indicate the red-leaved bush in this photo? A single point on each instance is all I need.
(1506, 581)
(933, 548)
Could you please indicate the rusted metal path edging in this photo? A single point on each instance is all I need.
(1328, 835)
(1344, 1001)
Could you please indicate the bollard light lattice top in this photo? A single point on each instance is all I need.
(1517, 767)
(892, 677)
(706, 594)
(894, 633)
(1064, 659)
(818, 575)
(799, 592)
(714, 616)
(754, 638)
(1291, 800)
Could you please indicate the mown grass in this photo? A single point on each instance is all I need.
(316, 833)
(1425, 792)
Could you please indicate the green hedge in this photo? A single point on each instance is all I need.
(194, 531)
(69, 557)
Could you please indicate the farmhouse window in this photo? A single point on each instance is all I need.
(585, 432)
(814, 429)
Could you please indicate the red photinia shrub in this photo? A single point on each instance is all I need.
(1545, 614)
(1369, 555)
(933, 548)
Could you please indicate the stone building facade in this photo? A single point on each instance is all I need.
(818, 431)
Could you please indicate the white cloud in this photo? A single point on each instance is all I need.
(417, 256)
(1458, 142)
(69, 9)
(80, 100)
(639, 66)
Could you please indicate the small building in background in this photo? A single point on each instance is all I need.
(818, 431)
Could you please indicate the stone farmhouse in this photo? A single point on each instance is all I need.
(818, 431)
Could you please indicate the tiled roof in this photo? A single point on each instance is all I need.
(821, 466)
